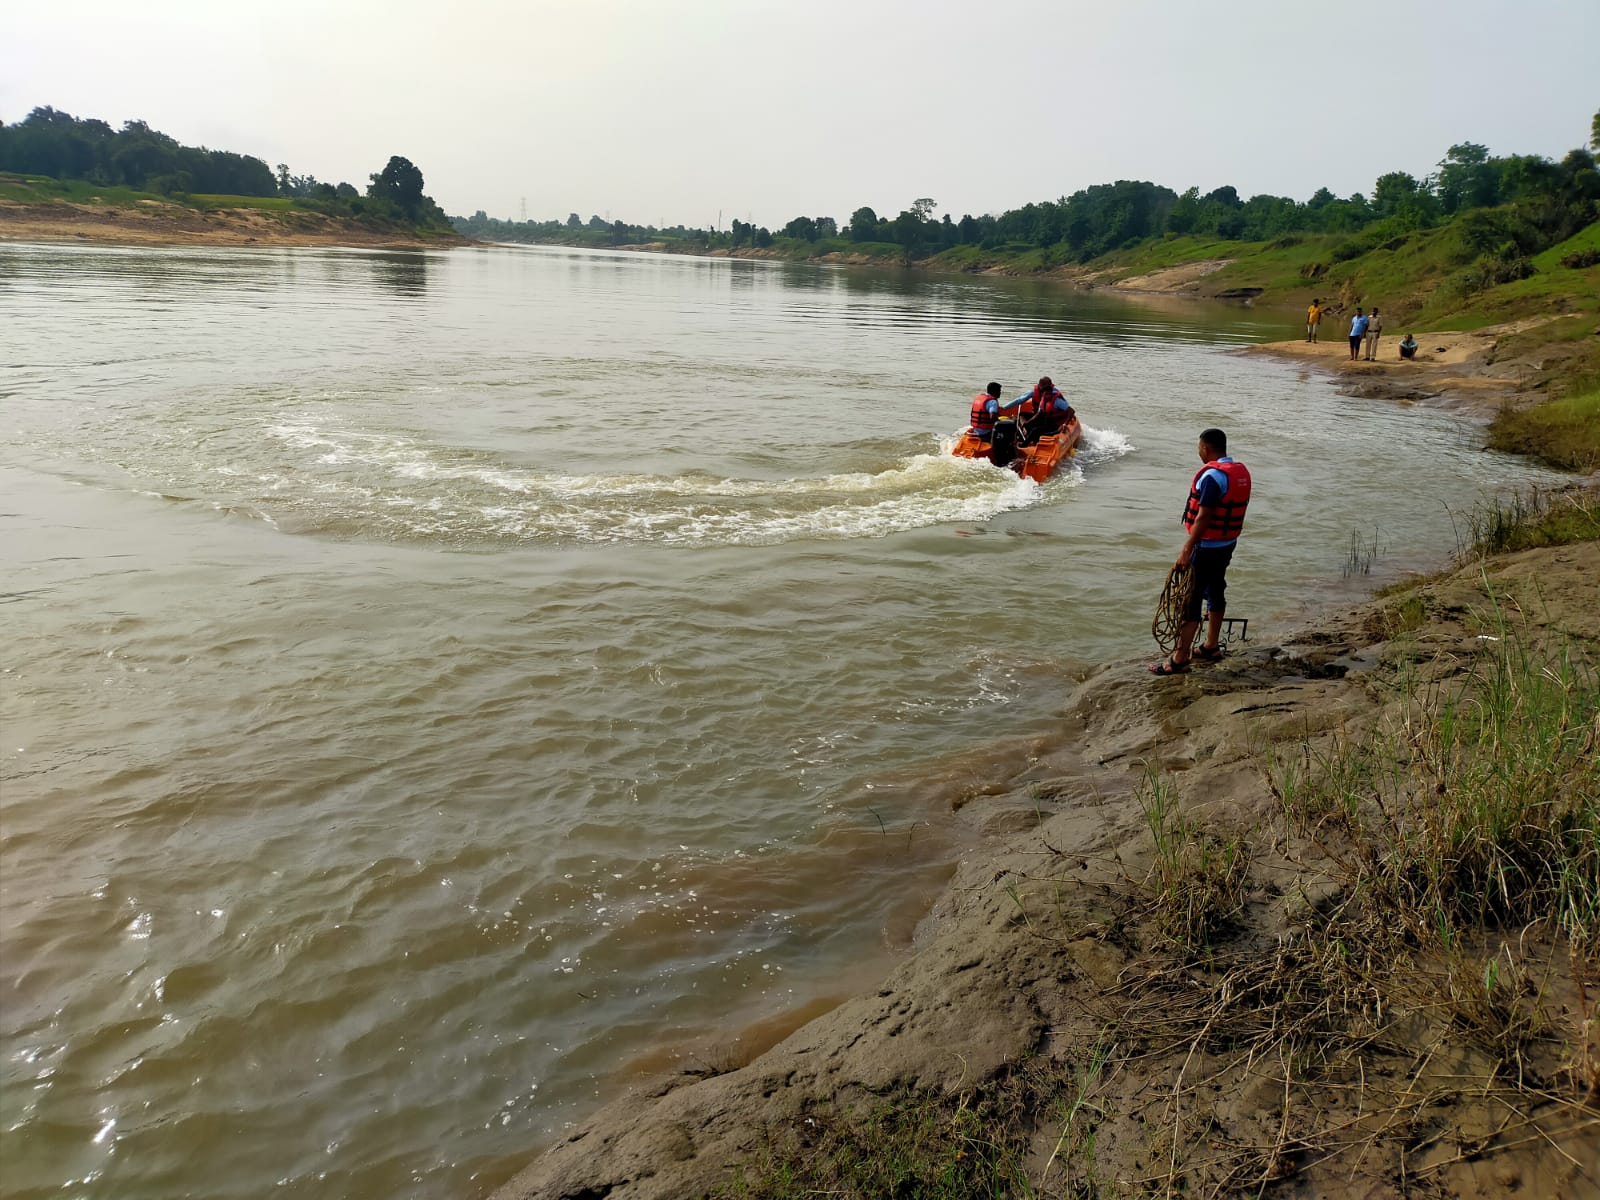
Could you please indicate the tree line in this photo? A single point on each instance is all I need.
(58, 145)
(1548, 202)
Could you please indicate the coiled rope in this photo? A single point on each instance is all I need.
(1175, 598)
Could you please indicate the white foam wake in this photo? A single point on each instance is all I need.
(362, 483)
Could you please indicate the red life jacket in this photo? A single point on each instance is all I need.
(982, 418)
(1228, 520)
(1035, 403)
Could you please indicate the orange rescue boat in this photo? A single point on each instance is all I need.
(1036, 461)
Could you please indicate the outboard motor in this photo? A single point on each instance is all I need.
(1003, 443)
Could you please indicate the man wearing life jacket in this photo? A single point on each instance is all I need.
(1041, 411)
(1213, 516)
(985, 408)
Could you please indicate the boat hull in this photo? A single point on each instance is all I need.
(1037, 461)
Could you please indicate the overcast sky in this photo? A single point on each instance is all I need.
(668, 111)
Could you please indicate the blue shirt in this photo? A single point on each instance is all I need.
(1213, 486)
(1358, 326)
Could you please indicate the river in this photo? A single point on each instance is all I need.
(440, 687)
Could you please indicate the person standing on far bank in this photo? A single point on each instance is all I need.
(1213, 517)
(1313, 319)
(1358, 330)
(1374, 328)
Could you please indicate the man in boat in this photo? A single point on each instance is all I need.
(1042, 411)
(985, 410)
(1213, 516)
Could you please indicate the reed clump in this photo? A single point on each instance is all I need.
(1198, 878)
(1530, 518)
(1477, 806)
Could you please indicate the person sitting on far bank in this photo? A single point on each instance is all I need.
(1042, 411)
(985, 410)
(1213, 518)
(1374, 328)
(1408, 347)
(1358, 330)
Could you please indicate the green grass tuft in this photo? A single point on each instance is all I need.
(1564, 432)
(909, 1144)
(1198, 878)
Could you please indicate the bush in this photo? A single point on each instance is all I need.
(1579, 259)
(1491, 272)
(1495, 232)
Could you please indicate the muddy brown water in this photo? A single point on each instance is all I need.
(437, 686)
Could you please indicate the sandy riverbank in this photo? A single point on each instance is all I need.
(1464, 372)
(1046, 955)
(152, 223)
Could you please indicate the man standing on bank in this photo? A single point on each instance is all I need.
(1213, 518)
(1358, 330)
(1374, 328)
(1313, 319)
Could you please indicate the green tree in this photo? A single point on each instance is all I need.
(906, 231)
(1466, 178)
(1185, 213)
(1594, 132)
(400, 183)
(1391, 192)
(863, 225)
(803, 228)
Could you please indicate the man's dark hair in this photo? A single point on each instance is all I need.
(993, 389)
(1216, 439)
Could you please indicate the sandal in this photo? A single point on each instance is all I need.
(1169, 667)
(1208, 653)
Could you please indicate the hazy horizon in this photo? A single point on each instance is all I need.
(636, 111)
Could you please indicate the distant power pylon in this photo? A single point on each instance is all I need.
(524, 208)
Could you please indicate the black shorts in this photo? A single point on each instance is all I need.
(1210, 567)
